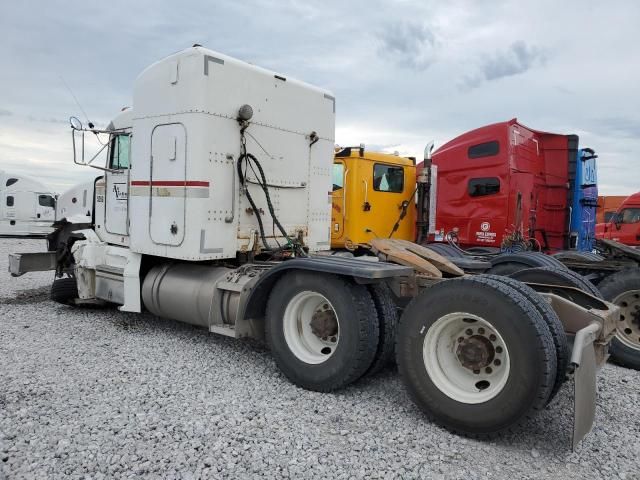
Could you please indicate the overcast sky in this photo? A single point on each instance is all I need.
(403, 72)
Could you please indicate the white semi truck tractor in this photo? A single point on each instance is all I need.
(214, 208)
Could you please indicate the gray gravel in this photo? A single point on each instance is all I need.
(95, 393)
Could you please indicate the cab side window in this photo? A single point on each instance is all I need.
(46, 201)
(387, 178)
(120, 150)
(338, 176)
(630, 215)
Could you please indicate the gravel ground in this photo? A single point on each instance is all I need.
(95, 393)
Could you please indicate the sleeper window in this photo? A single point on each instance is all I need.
(479, 187)
(487, 149)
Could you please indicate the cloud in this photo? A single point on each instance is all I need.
(515, 60)
(34, 119)
(621, 127)
(397, 69)
(408, 44)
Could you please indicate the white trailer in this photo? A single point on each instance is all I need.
(213, 208)
(27, 207)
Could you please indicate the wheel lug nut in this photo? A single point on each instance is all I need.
(460, 339)
(481, 331)
(488, 370)
(477, 372)
(324, 338)
(468, 331)
(497, 362)
(498, 349)
(492, 337)
(333, 339)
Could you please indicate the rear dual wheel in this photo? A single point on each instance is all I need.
(623, 289)
(323, 330)
(476, 355)
(553, 323)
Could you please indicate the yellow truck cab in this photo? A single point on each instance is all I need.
(371, 192)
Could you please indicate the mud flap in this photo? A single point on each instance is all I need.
(583, 364)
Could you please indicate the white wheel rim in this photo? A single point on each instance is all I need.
(446, 350)
(306, 344)
(628, 327)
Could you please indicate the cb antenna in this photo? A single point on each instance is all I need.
(90, 125)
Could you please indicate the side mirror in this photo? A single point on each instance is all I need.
(75, 122)
(617, 220)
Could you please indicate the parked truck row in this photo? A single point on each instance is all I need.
(499, 199)
(222, 203)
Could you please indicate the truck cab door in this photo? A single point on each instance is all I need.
(627, 227)
(117, 186)
(338, 202)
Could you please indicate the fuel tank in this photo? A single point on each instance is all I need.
(184, 292)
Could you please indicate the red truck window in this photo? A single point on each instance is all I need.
(630, 215)
(479, 187)
(487, 149)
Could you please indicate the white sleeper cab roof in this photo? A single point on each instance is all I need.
(184, 188)
(27, 206)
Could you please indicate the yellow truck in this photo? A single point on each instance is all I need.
(373, 194)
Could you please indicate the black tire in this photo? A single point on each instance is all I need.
(625, 347)
(388, 322)
(580, 256)
(358, 340)
(509, 263)
(483, 250)
(526, 336)
(445, 250)
(553, 322)
(557, 276)
(64, 290)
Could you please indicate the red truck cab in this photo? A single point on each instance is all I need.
(624, 226)
(501, 178)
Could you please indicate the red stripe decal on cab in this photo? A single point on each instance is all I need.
(169, 183)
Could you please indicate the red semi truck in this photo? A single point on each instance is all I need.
(505, 178)
(624, 225)
(497, 197)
